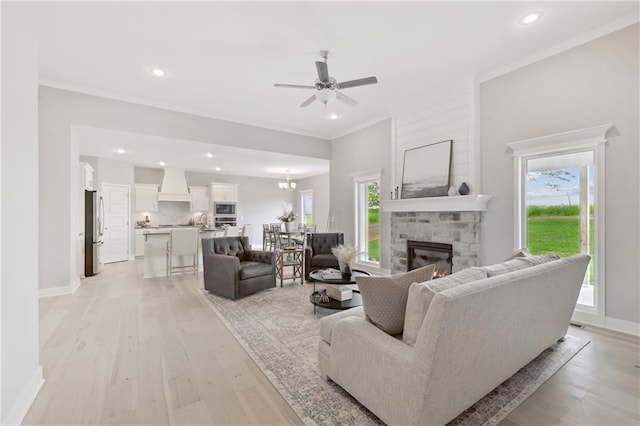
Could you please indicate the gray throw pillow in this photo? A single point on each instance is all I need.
(384, 299)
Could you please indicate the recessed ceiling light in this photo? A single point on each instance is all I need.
(530, 18)
(158, 72)
(217, 169)
(333, 116)
(120, 151)
(162, 163)
(209, 155)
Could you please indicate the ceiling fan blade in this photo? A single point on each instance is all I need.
(346, 99)
(294, 86)
(323, 72)
(358, 82)
(308, 101)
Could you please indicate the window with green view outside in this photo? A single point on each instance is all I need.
(373, 221)
(560, 209)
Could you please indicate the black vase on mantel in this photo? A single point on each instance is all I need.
(464, 189)
(346, 273)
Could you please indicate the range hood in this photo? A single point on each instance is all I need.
(174, 187)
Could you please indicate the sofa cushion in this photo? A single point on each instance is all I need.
(523, 252)
(543, 258)
(421, 295)
(327, 323)
(384, 299)
(518, 263)
(254, 269)
(509, 266)
(324, 260)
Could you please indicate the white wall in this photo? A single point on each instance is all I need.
(590, 85)
(321, 190)
(446, 113)
(363, 150)
(19, 359)
(59, 110)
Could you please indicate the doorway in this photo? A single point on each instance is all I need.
(117, 211)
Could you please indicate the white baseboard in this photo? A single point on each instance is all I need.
(622, 326)
(609, 323)
(59, 291)
(16, 413)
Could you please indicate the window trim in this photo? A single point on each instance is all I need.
(358, 178)
(301, 194)
(590, 139)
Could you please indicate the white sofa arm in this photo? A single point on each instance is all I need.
(380, 371)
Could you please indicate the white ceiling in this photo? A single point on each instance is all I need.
(223, 58)
(148, 151)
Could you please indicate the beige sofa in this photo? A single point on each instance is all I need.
(473, 337)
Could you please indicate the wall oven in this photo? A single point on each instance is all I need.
(224, 209)
(221, 221)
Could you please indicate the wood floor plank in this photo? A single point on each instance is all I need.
(125, 350)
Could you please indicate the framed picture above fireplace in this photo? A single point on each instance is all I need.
(426, 170)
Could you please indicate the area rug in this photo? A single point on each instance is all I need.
(280, 332)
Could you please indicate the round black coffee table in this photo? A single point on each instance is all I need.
(317, 276)
(356, 299)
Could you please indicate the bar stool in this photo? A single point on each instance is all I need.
(183, 242)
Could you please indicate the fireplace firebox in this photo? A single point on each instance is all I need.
(423, 253)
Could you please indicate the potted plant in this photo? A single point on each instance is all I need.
(288, 216)
(345, 254)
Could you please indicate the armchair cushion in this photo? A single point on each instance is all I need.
(384, 299)
(324, 260)
(253, 269)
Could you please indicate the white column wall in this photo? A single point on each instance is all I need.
(19, 360)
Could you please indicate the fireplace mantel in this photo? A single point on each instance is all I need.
(459, 203)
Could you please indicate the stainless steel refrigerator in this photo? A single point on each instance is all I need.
(93, 231)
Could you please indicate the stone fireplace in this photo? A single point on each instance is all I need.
(455, 221)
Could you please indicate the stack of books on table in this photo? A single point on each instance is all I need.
(331, 274)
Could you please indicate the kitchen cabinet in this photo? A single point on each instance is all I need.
(146, 198)
(139, 242)
(199, 198)
(224, 192)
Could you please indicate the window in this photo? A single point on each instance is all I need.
(367, 207)
(559, 205)
(306, 203)
(560, 209)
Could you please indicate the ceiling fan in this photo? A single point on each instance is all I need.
(327, 87)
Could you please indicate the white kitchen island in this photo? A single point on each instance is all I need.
(155, 251)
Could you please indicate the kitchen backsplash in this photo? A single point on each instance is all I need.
(169, 213)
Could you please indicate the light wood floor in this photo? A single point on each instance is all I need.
(132, 351)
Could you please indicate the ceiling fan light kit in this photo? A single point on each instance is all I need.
(327, 87)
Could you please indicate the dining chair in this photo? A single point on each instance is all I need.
(266, 237)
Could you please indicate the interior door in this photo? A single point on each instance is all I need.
(117, 212)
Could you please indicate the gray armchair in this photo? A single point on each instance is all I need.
(318, 254)
(233, 270)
